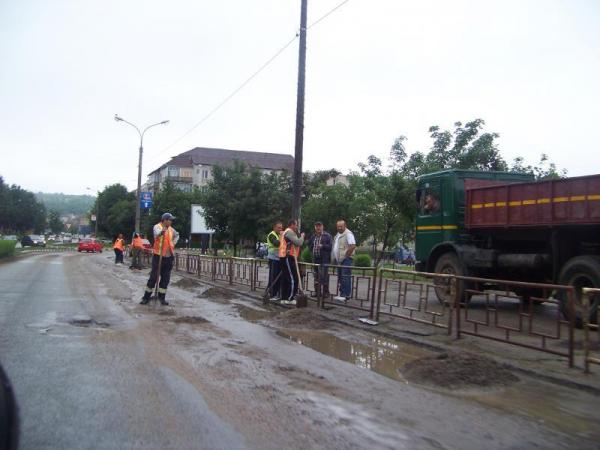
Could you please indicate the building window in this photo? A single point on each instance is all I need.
(204, 174)
(172, 171)
(197, 171)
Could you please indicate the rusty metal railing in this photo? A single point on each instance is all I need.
(412, 296)
(590, 314)
(508, 311)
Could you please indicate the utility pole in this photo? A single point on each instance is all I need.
(297, 193)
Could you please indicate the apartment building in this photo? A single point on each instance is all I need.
(194, 167)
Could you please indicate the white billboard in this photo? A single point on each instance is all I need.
(198, 221)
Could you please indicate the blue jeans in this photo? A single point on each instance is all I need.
(345, 278)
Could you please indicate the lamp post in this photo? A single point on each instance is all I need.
(96, 214)
(139, 180)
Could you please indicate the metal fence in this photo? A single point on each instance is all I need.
(516, 313)
(591, 346)
(512, 312)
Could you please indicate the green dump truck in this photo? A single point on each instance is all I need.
(504, 225)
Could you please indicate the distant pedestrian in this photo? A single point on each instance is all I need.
(344, 246)
(320, 245)
(273, 257)
(119, 247)
(165, 238)
(289, 250)
(137, 247)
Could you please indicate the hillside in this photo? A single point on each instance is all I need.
(66, 204)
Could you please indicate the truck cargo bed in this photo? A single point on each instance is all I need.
(558, 202)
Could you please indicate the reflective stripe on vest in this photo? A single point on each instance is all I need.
(284, 251)
(167, 242)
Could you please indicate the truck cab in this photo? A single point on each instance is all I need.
(440, 221)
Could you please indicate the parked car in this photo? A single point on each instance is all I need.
(33, 240)
(89, 245)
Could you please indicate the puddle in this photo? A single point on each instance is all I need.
(190, 320)
(252, 314)
(570, 410)
(386, 357)
(87, 322)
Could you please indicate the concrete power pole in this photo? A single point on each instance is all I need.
(297, 193)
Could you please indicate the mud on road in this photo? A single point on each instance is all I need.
(295, 379)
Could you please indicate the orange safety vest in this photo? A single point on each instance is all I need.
(137, 243)
(285, 250)
(119, 244)
(167, 242)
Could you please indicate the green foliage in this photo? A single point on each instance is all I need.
(362, 260)
(7, 248)
(177, 202)
(54, 222)
(543, 171)
(242, 203)
(66, 204)
(306, 255)
(115, 210)
(20, 212)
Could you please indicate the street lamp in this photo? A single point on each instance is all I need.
(96, 214)
(139, 180)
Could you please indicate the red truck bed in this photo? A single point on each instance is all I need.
(542, 203)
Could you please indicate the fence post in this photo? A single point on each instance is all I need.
(214, 268)
(231, 270)
(586, 331)
(199, 266)
(373, 290)
(452, 305)
(176, 262)
(571, 325)
(379, 290)
(456, 306)
(252, 274)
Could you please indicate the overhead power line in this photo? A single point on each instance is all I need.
(247, 81)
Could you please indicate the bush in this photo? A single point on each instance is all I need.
(306, 255)
(362, 260)
(7, 248)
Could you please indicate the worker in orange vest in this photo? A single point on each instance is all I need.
(119, 247)
(289, 251)
(137, 247)
(165, 238)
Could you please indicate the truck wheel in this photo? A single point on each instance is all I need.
(448, 264)
(580, 272)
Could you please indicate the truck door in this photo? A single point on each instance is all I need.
(429, 223)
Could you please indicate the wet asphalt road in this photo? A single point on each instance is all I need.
(93, 369)
(74, 391)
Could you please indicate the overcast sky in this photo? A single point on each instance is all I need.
(376, 69)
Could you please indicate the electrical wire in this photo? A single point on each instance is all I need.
(247, 81)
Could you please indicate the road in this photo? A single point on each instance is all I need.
(93, 369)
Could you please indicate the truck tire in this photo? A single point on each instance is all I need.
(580, 272)
(449, 264)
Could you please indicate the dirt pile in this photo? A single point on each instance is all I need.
(458, 370)
(218, 294)
(187, 283)
(300, 318)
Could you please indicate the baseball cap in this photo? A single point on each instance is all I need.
(318, 223)
(167, 216)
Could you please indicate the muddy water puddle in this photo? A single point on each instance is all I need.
(384, 356)
(254, 315)
(570, 410)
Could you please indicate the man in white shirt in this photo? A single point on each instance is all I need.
(344, 246)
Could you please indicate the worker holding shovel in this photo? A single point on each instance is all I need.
(165, 238)
(289, 251)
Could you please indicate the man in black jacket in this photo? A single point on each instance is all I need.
(320, 245)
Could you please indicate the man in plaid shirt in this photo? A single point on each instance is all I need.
(320, 245)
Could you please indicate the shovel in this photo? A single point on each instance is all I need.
(301, 298)
(160, 255)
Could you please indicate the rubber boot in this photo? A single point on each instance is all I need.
(145, 298)
(162, 300)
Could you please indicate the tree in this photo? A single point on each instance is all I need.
(115, 209)
(54, 222)
(21, 212)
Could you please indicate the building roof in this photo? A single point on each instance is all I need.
(223, 157)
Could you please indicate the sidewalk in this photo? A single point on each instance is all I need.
(546, 367)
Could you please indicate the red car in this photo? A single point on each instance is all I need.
(89, 245)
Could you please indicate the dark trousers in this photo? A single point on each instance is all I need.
(118, 256)
(274, 282)
(289, 278)
(165, 276)
(321, 274)
(136, 258)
